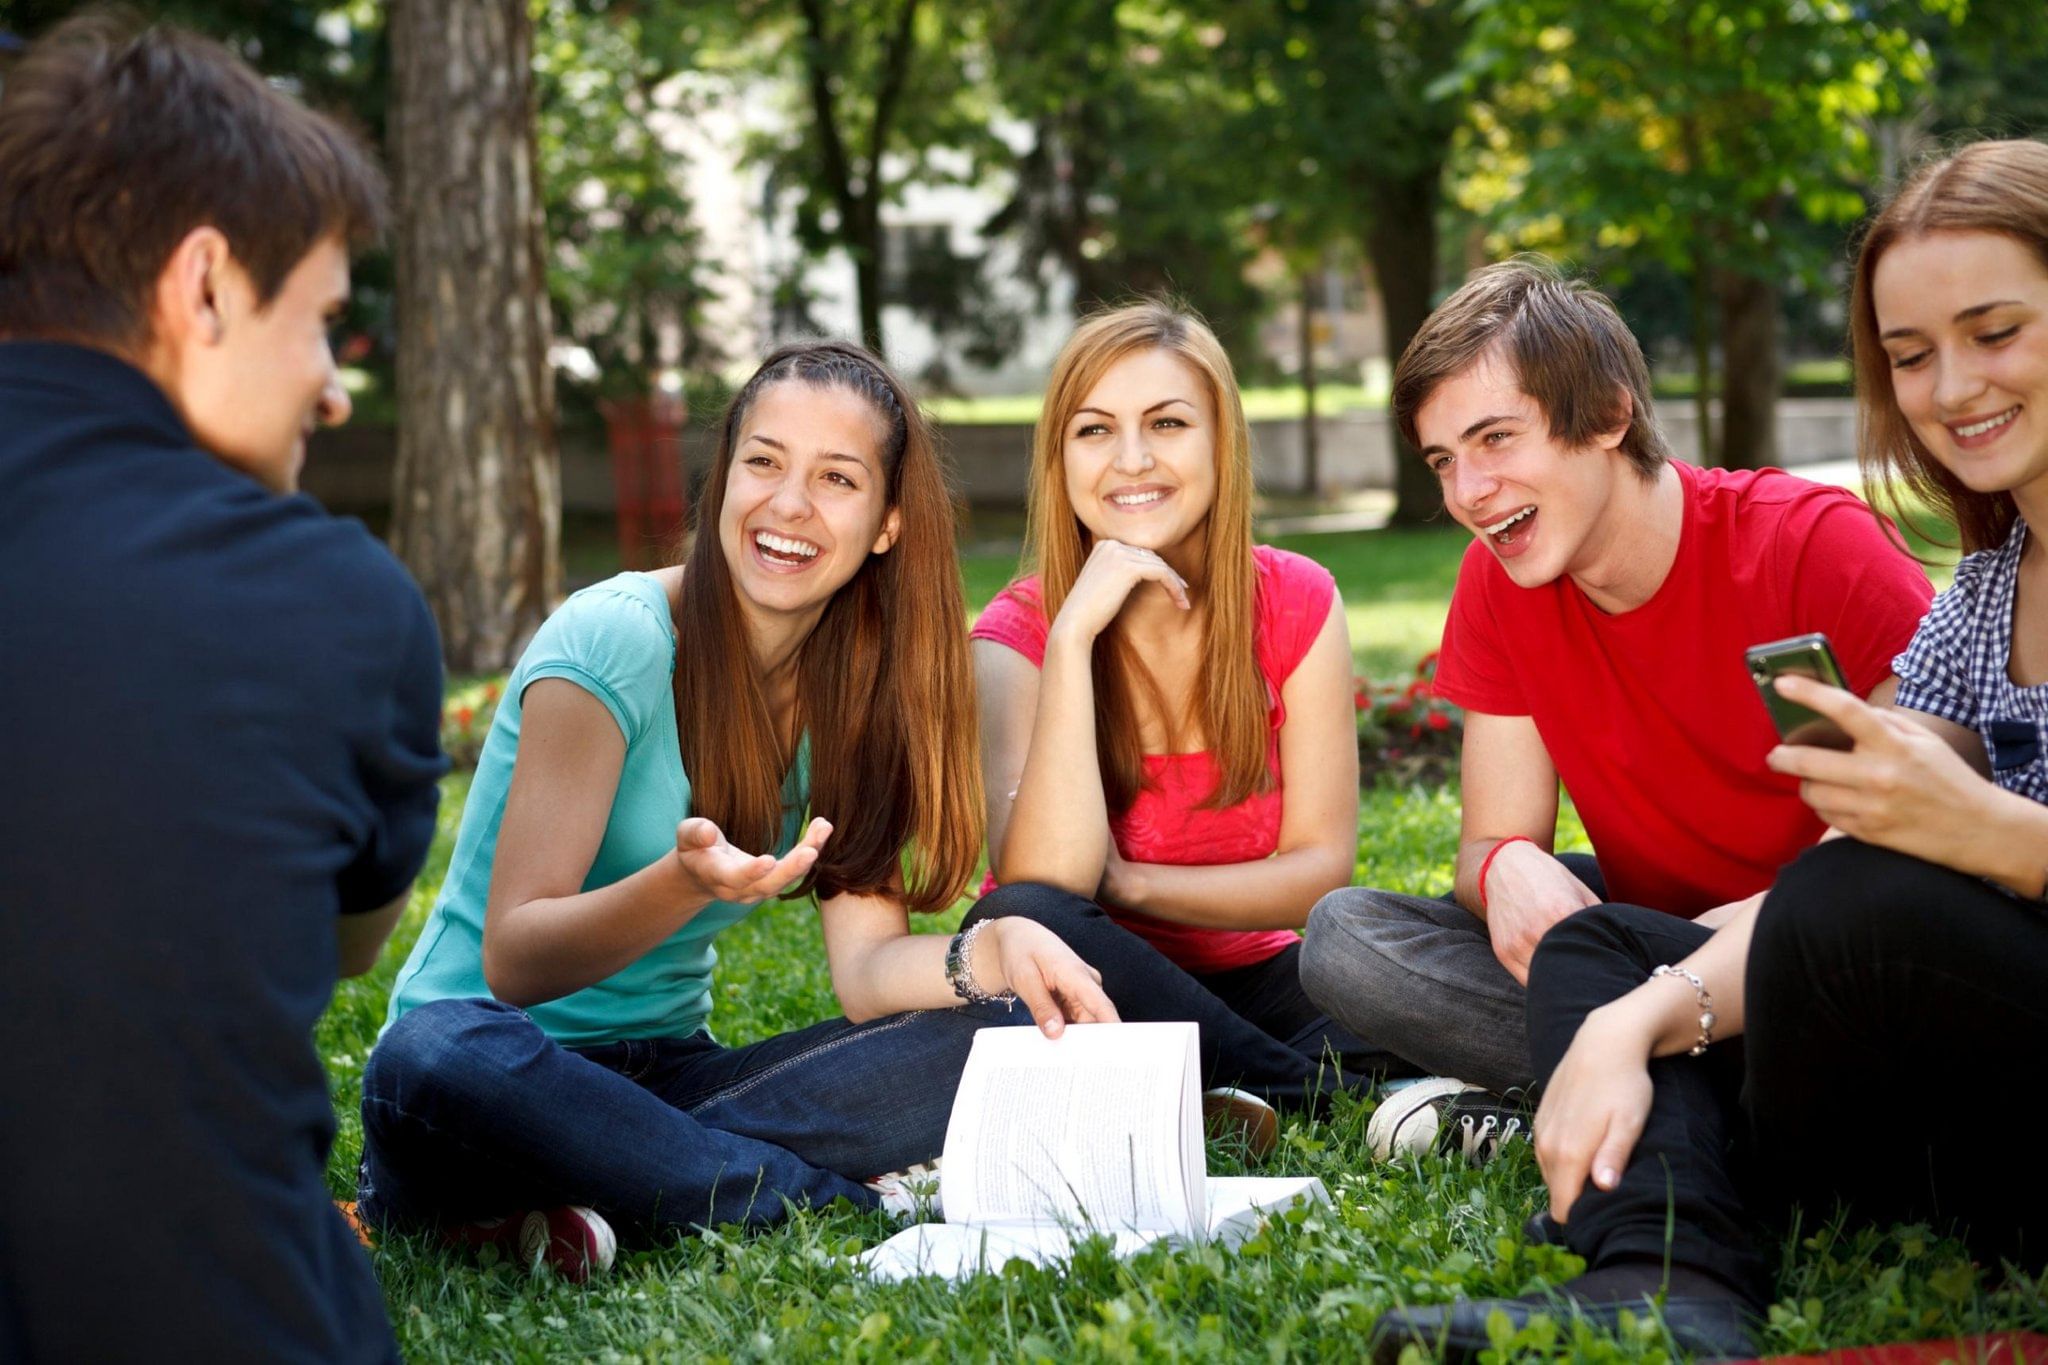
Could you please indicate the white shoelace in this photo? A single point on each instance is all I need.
(1477, 1139)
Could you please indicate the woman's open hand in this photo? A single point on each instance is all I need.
(1113, 571)
(1048, 976)
(722, 872)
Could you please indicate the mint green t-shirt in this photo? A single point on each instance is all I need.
(614, 640)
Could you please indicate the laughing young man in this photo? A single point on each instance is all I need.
(1596, 636)
(220, 709)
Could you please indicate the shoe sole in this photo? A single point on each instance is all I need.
(574, 1240)
(1229, 1113)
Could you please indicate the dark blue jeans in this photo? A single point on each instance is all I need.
(470, 1111)
(1259, 1031)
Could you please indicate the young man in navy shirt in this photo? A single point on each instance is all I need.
(219, 711)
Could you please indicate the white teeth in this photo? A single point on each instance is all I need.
(1989, 423)
(1136, 499)
(1501, 526)
(783, 545)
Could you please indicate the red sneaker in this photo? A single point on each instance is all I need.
(572, 1239)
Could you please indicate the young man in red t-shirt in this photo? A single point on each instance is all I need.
(1596, 636)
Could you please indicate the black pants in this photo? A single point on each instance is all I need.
(1259, 1030)
(1896, 1016)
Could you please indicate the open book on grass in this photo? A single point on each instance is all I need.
(1098, 1132)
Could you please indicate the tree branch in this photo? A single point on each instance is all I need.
(838, 174)
(895, 72)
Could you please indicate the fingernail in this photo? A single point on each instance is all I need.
(1606, 1177)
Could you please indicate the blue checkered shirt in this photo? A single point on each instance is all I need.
(1956, 665)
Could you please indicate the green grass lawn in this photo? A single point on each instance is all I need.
(1307, 1289)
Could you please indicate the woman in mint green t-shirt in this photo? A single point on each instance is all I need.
(546, 1069)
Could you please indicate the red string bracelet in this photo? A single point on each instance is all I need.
(1493, 853)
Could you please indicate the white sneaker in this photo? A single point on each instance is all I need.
(1444, 1114)
(910, 1195)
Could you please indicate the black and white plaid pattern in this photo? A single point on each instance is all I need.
(1955, 668)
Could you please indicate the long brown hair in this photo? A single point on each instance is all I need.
(1986, 187)
(1230, 697)
(884, 688)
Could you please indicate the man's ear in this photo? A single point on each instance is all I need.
(190, 291)
(1625, 406)
(892, 527)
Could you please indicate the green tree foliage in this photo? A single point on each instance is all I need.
(1991, 71)
(1127, 183)
(1693, 133)
(883, 93)
(1352, 121)
(627, 266)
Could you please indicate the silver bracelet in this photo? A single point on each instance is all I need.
(1706, 1004)
(960, 968)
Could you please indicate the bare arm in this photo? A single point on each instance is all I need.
(544, 936)
(1510, 791)
(1319, 816)
(360, 938)
(1047, 819)
(1056, 830)
(880, 967)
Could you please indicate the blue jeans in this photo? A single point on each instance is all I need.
(471, 1111)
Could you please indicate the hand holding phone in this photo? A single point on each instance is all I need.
(1809, 656)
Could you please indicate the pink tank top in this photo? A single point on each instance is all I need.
(1167, 823)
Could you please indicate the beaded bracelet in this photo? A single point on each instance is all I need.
(960, 968)
(1706, 1004)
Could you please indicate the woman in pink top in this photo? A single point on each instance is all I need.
(1166, 711)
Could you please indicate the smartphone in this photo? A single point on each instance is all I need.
(1810, 656)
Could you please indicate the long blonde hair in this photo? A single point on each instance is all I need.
(1230, 698)
(885, 690)
(1997, 187)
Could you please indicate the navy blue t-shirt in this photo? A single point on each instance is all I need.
(219, 730)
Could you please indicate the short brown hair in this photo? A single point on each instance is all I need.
(1997, 187)
(1570, 350)
(116, 142)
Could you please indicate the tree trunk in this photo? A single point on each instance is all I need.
(1703, 358)
(478, 508)
(1401, 243)
(1311, 454)
(1750, 379)
(864, 243)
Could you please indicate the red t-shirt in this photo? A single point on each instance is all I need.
(1167, 822)
(1650, 715)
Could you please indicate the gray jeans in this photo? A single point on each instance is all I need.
(1417, 976)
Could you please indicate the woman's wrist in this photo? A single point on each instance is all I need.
(1637, 1023)
(977, 974)
(1065, 641)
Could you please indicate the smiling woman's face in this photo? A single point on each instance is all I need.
(1963, 317)
(1140, 452)
(806, 499)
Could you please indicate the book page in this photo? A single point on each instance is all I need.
(956, 1250)
(1238, 1204)
(1085, 1130)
